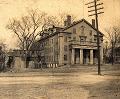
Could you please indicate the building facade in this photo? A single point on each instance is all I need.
(76, 43)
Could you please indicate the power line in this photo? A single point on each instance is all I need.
(83, 8)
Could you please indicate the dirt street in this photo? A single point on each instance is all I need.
(61, 85)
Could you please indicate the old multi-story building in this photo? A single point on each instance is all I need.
(76, 43)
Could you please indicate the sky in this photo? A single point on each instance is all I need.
(17, 8)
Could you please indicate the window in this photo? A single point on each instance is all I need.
(74, 30)
(65, 39)
(82, 29)
(74, 38)
(90, 32)
(51, 49)
(91, 40)
(69, 37)
(51, 59)
(101, 39)
(56, 42)
(52, 41)
(32, 52)
(95, 39)
(82, 38)
(65, 57)
(65, 48)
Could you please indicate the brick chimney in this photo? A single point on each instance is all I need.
(93, 23)
(67, 22)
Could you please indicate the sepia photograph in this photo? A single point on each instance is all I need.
(59, 49)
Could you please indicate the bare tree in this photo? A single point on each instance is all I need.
(113, 37)
(57, 20)
(28, 27)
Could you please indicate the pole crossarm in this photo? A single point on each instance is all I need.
(99, 4)
(97, 9)
(95, 5)
(91, 2)
(95, 14)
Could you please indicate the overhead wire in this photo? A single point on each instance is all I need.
(83, 9)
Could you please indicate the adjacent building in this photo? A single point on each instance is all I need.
(76, 43)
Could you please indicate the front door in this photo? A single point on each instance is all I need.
(77, 56)
(86, 55)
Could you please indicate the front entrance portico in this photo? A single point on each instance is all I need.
(82, 56)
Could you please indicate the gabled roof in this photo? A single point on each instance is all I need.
(62, 30)
(82, 20)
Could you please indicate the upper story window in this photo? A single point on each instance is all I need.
(65, 57)
(65, 48)
(91, 40)
(82, 38)
(101, 39)
(65, 39)
(69, 37)
(82, 29)
(90, 32)
(20, 52)
(95, 39)
(32, 52)
(74, 30)
(56, 43)
(52, 41)
(74, 38)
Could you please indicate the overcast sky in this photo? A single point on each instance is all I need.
(16, 8)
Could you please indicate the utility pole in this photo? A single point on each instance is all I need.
(95, 9)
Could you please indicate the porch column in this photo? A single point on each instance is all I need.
(61, 47)
(73, 56)
(81, 56)
(91, 56)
